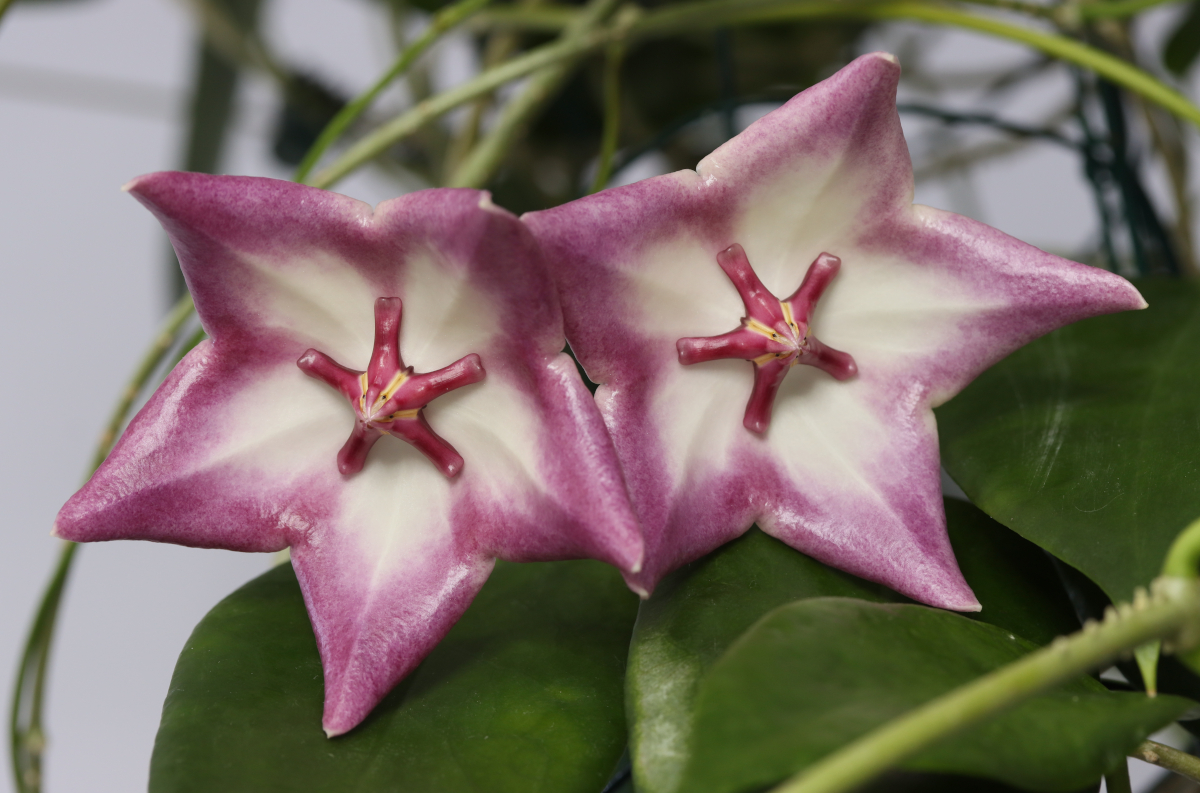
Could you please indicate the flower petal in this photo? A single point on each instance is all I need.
(925, 300)
(239, 447)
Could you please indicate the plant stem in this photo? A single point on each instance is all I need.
(612, 114)
(4, 6)
(543, 19)
(25, 724)
(501, 44)
(1173, 607)
(673, 19)
(1070, 50)
(444, 21)
(519, 112)
(1183, 557)
(1164, 756)
(556, 18)
(377, 142)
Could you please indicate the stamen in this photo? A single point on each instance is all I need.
(774, 334)
(397, 395)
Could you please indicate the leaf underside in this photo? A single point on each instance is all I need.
(524, 694)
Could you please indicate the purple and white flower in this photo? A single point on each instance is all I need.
(839, 459)
(323, 316)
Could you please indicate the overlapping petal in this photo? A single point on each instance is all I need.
(847, 471)
(238, 449)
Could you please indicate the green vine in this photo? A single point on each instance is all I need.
(27, 738)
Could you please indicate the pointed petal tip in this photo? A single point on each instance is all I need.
(965, 602)
(1117, 292)
(138, 184)
(488, 205)
(65, 528)
(632, 580)
(342, 715)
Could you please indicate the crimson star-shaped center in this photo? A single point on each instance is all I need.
(774, 334)
(388, 398)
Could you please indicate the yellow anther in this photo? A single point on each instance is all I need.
(390, 389)
(758, 327)
(787, 315)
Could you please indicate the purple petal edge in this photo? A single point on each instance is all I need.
(375, 617)
(595, 245)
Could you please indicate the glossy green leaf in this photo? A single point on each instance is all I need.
(1087, 442)
(814, 675)
(1013, 579)
(524, 694)
(697, 612)
(693, 616)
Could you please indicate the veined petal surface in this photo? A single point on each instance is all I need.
(925, 300)
(238, 448)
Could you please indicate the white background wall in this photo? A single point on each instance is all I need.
(91, 94)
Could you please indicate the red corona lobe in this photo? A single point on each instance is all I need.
(774, 333)
(388, 398)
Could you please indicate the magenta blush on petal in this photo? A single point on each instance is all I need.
(774, 335)
(840, 458)
(388, 398)
(391, 537)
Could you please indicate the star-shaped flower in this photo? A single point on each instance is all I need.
(838, 459)
(497, 451)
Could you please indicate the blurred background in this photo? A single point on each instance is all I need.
(95, 92)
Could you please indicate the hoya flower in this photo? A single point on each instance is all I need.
(384, 392)
(772, 331)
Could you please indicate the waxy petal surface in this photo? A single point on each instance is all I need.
(238, 448)
(925, 300)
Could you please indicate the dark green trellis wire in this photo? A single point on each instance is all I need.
(1086, 148)
(1107, 166)
(1149, 238)
(1112, 168)
(1098, 176)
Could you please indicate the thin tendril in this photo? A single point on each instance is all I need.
(444, 21)
(25, 725)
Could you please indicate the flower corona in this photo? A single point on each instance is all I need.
(774, 335)
(388, 398)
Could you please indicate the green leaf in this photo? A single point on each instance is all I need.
(524, 694)
(1087, 441)
(697, 612)
(1013, 579)
(814, 675)
(693, 616)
